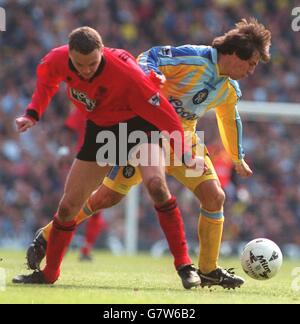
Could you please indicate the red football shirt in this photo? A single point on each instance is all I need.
(118, 91)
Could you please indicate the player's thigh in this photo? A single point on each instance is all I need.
(153, 176)
(192, 183)
(84, 177)
(122, 179)
(155, 168)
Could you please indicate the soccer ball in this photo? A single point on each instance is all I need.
(261, 259)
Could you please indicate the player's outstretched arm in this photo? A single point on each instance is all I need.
(23, 123)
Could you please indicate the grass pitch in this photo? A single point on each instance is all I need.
(139, 280)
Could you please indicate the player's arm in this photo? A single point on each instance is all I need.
(149, 61)
(158, 62)
(230, 128)
(47, 84)
(160, 56)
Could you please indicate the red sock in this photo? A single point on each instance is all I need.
(172, 224)
(94, 227)
(60, 237)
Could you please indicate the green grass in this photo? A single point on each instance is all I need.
(138, 280)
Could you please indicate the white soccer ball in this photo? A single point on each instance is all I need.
(261, 259)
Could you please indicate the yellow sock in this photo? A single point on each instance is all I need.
(210, 229)
(84, 213)
(46, 231)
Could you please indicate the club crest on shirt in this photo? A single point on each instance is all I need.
(200, 96)
(128, 171)
(90, 104)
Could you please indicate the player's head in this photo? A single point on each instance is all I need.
(85, 50)
(241, 48)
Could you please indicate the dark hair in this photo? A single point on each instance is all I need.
(85, 40)
(244, 40)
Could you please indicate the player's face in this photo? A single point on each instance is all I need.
(242, 68)
(86, 64)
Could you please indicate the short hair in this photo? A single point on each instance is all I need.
(243, 40)
(85, 40)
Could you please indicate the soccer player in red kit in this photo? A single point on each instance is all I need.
(95, 224)
(109, 88)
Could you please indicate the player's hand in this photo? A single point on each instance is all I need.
(243, 169)
(23, 123)
(196, 167)
(158, 79)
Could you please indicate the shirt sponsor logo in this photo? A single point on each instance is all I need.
(90, 104)
(200, 96)
(178, 106)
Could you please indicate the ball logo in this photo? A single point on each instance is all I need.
(263, 263)
(200, 96)
(274, 256)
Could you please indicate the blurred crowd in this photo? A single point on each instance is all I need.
(32, 169)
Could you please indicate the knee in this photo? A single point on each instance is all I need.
(67, 210)
(220, 197)
(158, 189)
(215, 200)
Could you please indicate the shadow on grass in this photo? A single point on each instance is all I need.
(95, 287)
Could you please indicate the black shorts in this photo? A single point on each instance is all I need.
(90, 150)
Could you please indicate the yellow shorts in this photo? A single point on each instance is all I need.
(121, 179)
